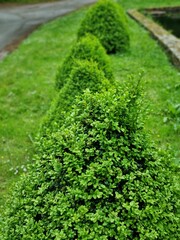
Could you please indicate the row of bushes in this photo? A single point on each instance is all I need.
(96, 174)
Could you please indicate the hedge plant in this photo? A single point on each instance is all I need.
(107, 21)
(100, 177)
(87, 48)
(84, 74)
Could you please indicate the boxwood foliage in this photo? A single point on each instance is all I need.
(87, 48)
(107, 21)
(84, 74)
(99, 178)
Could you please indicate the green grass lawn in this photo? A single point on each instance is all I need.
(27, 87)
(148, 3)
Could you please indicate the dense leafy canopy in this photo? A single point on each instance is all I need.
(107, 21)
(84, 74)
(87, 48)
(99, 177)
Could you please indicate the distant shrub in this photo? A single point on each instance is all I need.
(107, 21)
(87, 48)
(98, 178)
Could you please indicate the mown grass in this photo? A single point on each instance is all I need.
(27, 88)
(147, 4)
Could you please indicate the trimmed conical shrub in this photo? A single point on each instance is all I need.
(107, 21)
(99, 178)
(88, 48)
(84, 74)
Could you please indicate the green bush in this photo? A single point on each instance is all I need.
(84, 74)
(107, 21)
(99, 178)
(87, 48)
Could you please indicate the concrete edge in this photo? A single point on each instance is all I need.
(165, 38)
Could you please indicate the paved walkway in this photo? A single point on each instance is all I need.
(17, 21)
